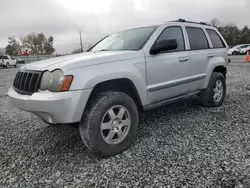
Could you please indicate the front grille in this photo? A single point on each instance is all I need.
(27, 82)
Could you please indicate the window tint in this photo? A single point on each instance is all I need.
(3, 57)
(133, 39)
(174, 32)
(197, 38)
(245, 46)
(215, 38)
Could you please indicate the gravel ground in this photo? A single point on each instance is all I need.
(179, 145)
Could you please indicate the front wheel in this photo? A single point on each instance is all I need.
(234, 53)
(110, 123)
(214, 94)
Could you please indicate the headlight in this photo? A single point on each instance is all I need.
(55, 81)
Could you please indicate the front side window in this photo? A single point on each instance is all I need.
(173, 32)
(197, 38)
(133, 39)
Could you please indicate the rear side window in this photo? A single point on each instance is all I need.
(245, 46)
(3, 57)
(215, 38)
(197, 38)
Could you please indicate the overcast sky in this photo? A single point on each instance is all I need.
(63, 19)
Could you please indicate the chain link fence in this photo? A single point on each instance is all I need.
(30, 59)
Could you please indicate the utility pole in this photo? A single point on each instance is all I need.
(81, 41)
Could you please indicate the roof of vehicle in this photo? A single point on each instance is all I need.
(240, 45)
(177, 21)
(184, 21)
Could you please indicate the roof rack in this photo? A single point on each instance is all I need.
(182, 20)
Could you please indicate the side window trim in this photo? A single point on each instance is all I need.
(208, 39)
(184, 41)
(212, 46)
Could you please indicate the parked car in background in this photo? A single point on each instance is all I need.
(20, 61)
(237, 49)
(244, 50)
(6, 61)
(102, 90)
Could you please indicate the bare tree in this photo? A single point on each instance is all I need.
(13, 47)
(215, 22)
(38, 44)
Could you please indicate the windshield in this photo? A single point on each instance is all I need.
(133, 39)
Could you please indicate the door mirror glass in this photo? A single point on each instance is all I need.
(164, 45)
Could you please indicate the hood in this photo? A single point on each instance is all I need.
(82, 60)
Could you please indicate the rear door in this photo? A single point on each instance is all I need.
(199, 54)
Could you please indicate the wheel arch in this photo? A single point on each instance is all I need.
(218, 64)
(123, 85)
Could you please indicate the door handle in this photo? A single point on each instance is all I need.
(183, 59)
(210, 55)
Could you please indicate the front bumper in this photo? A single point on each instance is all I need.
(53, 108)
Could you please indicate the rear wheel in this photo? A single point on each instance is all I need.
(215, 93)
(234, 53)
(7, 66)
(110, 124)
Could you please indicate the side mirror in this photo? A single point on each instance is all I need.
(164, 45)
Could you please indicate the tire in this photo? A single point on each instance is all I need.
(7, 66)
(234, 53)
(97, 111)
(207, 96)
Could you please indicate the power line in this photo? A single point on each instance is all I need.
(81, 41)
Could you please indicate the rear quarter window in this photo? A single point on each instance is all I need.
(215, 39)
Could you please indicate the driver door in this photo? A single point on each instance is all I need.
(168, 72)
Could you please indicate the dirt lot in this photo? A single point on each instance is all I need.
(178, 145)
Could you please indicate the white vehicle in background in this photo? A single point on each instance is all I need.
(237, 49)
(244, 50)
(6, 61)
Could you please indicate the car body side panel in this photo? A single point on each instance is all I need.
(214, 62)
(134, 70)
(219, 57)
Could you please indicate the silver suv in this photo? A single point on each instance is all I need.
(134, 70)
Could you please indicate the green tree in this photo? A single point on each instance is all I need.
(245, 35)
(232, 34)
(48, 46)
